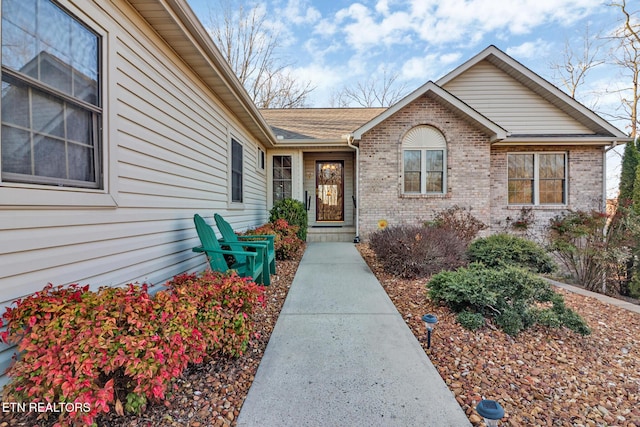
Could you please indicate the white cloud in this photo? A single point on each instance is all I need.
(300, 12)
(324, 78)
(464, 23)
(363, 29)
(420, 68)
(358, 31)
(449, 58)
(535, 49)
(325, 27)
(382, 6)
(457, 20)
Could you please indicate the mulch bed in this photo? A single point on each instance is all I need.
(542, 377)
(209, 394)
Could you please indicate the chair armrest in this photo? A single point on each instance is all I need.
(254, 244)
(270, 237)
(224, 251)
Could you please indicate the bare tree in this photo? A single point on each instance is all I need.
(250, 46)
(576, 63)
(626, 55)
(372, 92)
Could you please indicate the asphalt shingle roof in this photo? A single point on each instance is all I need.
(317, 123)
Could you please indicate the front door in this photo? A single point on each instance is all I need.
(330, 191)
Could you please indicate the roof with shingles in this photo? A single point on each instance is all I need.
(317, 123)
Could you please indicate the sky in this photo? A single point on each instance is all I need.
(337, 43)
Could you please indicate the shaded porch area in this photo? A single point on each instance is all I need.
(329, 189)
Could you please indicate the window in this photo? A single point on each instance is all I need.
(424, 160)
(261, 159)
(51, 107)
(537, 178)
(281, 178)
(236, 171)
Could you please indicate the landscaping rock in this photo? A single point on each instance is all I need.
(542, 376)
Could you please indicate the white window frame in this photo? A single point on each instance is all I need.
(33, 85)
(261, 161)
(536, 178)
(232, 201)
(43, 195)
(435, 142)
(273, 182)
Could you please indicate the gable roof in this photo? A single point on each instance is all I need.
(543, 88)
(313, 124)
(492, 129)
(176, 23)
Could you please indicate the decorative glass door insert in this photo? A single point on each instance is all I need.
(329, 191)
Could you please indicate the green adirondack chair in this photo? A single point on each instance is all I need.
(247, 264)
(237, 243)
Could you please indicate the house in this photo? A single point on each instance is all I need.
(121, 119)
(490, 136)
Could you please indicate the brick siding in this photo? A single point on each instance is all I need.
(476, 172)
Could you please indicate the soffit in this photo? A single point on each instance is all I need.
(175, 22)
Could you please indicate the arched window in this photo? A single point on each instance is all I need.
(424, 153)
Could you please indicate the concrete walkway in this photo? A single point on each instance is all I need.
(604, 298)
(341, 355)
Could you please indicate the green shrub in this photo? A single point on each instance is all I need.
(415, 251)
(600, 252)
(510, 295)
(577, 239)
(504, 249)
(119, 348)
(286, 243)
(511, 321)
(470, 320)
(634, 286)
(294, 212)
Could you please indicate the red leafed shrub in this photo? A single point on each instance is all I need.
(287, 243)
(118, 348)
(222, 305)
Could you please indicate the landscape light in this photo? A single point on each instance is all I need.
(430, 321)
(491, 411)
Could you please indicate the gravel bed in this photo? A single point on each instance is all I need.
(209, 394)
(542, 377)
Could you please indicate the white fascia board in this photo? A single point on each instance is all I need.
(497, 132)
(313, 143)
(563, 140)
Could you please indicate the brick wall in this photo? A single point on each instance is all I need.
(468, 157)
(476, 173)
(585, 186)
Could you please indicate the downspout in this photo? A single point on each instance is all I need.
(349, 138)
(604, 173)
(604, 202)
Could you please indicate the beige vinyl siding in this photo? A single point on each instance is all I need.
(166, 138)
(310, 182)
(511, 105)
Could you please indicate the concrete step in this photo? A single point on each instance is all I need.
(331, 234)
